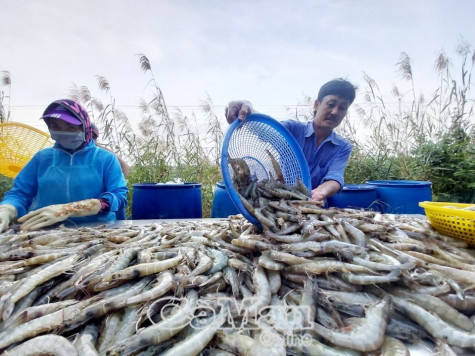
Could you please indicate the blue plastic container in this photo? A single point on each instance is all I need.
(166, 201)
(121, 214)
(402, 196)
(223, 205)
(359, 196)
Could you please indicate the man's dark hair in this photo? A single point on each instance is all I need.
(339, 87)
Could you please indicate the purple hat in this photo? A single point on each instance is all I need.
(59, 112)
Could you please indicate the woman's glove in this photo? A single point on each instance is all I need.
(7, 214)
(52, 214)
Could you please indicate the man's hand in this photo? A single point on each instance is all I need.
(318, 195)
(53, 214)
(325, 190)
(7, 214)
(238, 110)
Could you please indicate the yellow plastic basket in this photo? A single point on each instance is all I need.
(450, 219)
(18, 144)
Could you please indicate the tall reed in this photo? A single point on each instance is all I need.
(5, 81)
(401, 143)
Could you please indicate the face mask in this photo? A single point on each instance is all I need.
(69, 140)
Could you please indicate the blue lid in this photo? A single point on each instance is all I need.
(358, 187)
(399, 183)
(166, 185)
(249, 140)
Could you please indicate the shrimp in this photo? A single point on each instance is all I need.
(286, 257)
(42, 324)
(109, 327)
(394, 347)
(268, 263)
(85, 342)
(358, 236)
(104, 306)
(237, 344)
(143, 269)
(242, 173)
(253, 244)
(128, 323)
(382, 266)
(220, 259)
(310, 346)
(28, 284)
(437, 306)
(367, 336)
(393, 276)
(275, 281)
(281, 237)
(326, 266)
(231, 278)
(240, 265)
(45, 344)
(459, 275)
(230, 247)
(434, 325)
(36, 312)
(160, 332)
(267, 340)
(211, 279)
(196, 342)
(263, 291)
(466, 305)
(276, 166)
(163, 285)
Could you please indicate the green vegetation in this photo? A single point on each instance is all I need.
(421, 139)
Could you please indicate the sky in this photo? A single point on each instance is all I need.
(271, 52)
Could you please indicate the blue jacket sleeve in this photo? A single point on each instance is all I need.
(116, 186)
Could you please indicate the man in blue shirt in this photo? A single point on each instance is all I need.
(326, 152)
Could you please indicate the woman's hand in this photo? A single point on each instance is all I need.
(7, 214)
(238, 110)
(53, 214)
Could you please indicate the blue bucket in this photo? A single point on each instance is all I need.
(223, 205)
(166, 201)
(402, 196)
(359, 196)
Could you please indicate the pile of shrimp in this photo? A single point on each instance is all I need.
(313, 281)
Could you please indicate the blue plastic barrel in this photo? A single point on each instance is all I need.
(223, 205)
(121, 214)
(166, 201)
(359, 196)
(402, 196)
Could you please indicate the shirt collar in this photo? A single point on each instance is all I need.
(310, 130)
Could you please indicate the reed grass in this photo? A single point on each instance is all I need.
(424, 138)
(5, 95)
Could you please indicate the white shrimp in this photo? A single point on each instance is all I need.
(45, 344)
(367, 336)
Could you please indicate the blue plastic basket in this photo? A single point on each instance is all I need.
(249, 140)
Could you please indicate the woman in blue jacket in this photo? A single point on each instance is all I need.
(73, 180)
